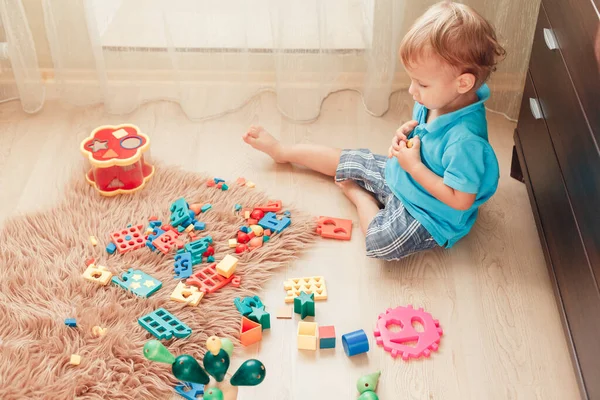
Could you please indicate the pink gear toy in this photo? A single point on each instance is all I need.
(394, 341)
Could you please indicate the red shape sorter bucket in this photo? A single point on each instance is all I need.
(116, 155)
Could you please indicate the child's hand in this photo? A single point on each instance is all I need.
(401, 134)
(408, 158)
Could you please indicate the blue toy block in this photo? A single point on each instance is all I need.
(155, 224)
(287, 214)
(270, 221)
(111, 248)
(245, 306)
(138, 282)
(245, 229)
(199, 226)
(72, 322)
(238, 207)
(218, 180)
(224, 187)
(355, 343)
(156, 233)
(179, 212)
(192, 215)
(183, 265)
(197, 248)
(190, 390)
(206, 207)
(164, 325)
(210, 259)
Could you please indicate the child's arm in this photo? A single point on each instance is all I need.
(410, 161)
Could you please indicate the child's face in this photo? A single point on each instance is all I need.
(433, 83)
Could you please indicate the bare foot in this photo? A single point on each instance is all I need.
(262, 140)
(355, 193)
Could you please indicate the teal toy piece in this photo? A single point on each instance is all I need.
(227, 345)
(216, 365)
(250, 373)
(183, 265)
(245, 306)
(137, 282)
(213, 394)
(164, 325)
(259, 315)
(305, 305)
(180, 213)
(156, 351)
(186, 368)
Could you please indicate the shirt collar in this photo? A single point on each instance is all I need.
(483, 93)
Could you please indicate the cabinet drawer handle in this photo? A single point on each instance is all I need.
(550, 39)
(535, 108)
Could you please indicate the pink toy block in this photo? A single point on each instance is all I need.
(129, 239)
(427, 341)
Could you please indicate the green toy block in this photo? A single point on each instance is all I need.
(259, 315)
(305, 305)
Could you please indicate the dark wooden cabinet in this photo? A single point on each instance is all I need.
(556, 143)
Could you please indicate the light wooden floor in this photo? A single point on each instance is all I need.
(502, 334)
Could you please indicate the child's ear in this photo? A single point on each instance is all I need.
(466, 82)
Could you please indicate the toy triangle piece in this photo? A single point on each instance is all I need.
(110, 153)
(250, 332)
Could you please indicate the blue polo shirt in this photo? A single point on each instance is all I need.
(454, 146)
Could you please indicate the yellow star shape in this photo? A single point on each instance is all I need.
(134, 285)
(149, 284)
(136, 277)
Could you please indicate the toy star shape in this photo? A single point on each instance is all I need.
(149, 284)
(305, 298)
(257, 313)
(136, 277)
(134, 285)
(97, 145)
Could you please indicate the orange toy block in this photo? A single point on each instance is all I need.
(241, 181)
(128, 239)
(208, 280)
(97, 274)
(166, 241)
(190, 295)
(334, 228)
(250, 332)
(226, 267)
(271, 206)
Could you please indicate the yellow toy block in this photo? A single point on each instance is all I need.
(98, 331)
(97, 274)
(232, 243)
(257, 229)
(93, 241)
(246, 214)
(250, 184)
(149, 231)
(307, 335)
(227, 266)
(189, 228)
(190, 295)
(308, 285)
(75, 359)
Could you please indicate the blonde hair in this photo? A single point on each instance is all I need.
(458, 35)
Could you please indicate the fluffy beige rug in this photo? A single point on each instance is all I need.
(42, 257)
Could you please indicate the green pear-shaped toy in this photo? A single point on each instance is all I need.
(187, 369)
(368, 382)
(213, 394)
(368, 395)
(156, 351)
(250, 373)
(217, 365)
(227, 345)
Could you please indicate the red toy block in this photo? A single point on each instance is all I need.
(271, 206)
(211, 183)
(327, 331)
(166, 241)
(153, 218)
(257, 215)
(334, 228)
(241, 181)
(209, 281)
(243, 237)
(210, 251)
(240, 248)
(252, 221)
(89, 261)
(220, 185)
(129, 239)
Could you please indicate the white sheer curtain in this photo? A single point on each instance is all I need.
(212, 56)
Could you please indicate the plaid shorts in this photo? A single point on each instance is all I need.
(393, 233)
